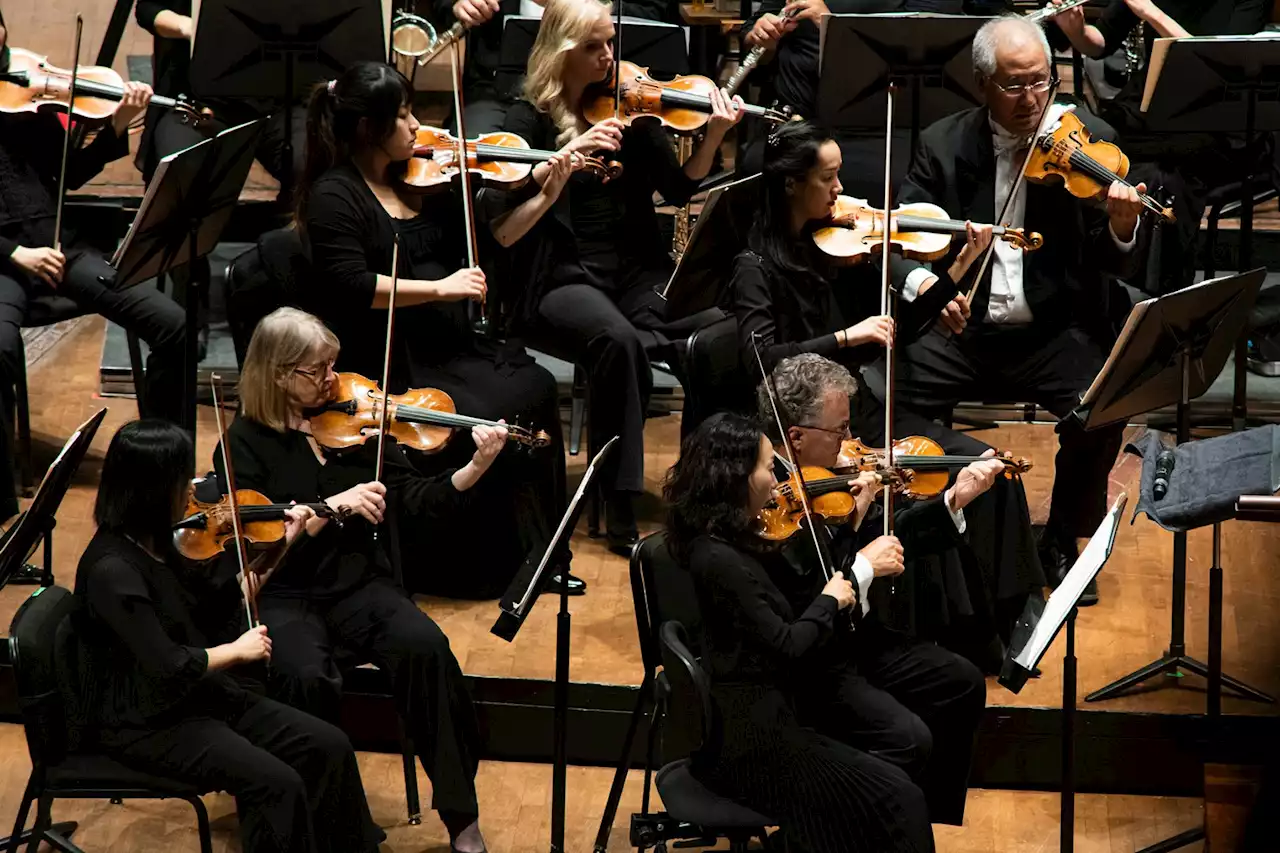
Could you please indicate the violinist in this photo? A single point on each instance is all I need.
(1038, 329)
(351, 209)
(157, 695)
(337, 590)
(1185, 165)
(909, 702)
(31, 146)
(783, 293)
(592, 251)
(761, 654)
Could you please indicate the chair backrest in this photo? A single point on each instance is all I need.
(662, 591)
(689, 714)
(714, 378)
(33, 650)
(263, 279)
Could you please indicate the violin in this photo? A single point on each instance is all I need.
(498, 159)
(207, 529)
(921, 232)
(31, 82)
(928, 468)
(831, 498)
(682, 104)
(1084, 166)
(423, 418)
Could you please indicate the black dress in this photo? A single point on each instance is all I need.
(971, 595)
(589, 273)
(336, 596)
(146, 697)
(351, 237)
(827, 796)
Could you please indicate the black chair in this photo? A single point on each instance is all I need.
(262, 279)
(43, 651)
(690, 719)
(715, 380)
(362, 677)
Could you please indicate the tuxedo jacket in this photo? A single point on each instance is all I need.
(1068, 280)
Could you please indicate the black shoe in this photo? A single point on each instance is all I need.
(1057, 555)
(577, 586)
(620, 523)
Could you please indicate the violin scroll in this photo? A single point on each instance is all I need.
(1028, 242)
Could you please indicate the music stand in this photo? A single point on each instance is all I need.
(183, 213)
(718, 234)
(1212, 85)
(929, 57)
(278, 49)
(1036, 630)
(1170, 350)
(662, 47)
(515, 606)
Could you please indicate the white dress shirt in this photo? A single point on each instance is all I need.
(530, 9)
(1008, 300)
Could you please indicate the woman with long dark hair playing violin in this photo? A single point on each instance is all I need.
(337, 592)
(351, 209)
(592, 251)
(783, 296)
(155, 693)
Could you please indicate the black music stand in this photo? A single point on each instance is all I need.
(515, 606)
(1212, 85)
(20, 541)
(279, 50)
(1170, 350)
(1036, 630)
(718, 234)
(929, 57)
(187, 205)
(662, 48)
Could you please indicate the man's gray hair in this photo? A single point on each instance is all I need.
(802, 383)
(987, 42)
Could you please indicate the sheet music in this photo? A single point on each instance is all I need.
(1068, 592)
(1160, 52)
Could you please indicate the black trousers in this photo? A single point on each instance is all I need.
(294, 777)
(155, 318)
(912, 704)
(378, 623)
(172, 134)
(1026, 365)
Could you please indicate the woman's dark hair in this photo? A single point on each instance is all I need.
(373, 91)
(790, 153)
(148, 464)
(708, 487)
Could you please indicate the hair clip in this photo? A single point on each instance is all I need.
(332, 86)
(774, 138)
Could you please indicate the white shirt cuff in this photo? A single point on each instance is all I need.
(913, 282)
(957, 515)
(1121, 244)
(863, 575)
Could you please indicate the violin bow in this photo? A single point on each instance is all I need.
(66, 138)
(886, 308)
(480, 324)
(250, 588)
(1013, 192)
(617, 61)
(383, 416)
(820, 547)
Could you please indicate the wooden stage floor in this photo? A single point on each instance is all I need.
(1129, 627)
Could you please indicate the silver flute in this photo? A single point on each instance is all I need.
(751, 60)
(1050, 11)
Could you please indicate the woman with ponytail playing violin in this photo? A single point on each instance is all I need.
(337, 592)
(351, 210)
(592, 251)
(155, 690)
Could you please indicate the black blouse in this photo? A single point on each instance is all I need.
(143, 634)
(751, 635)
(30, 159)
(285, 468)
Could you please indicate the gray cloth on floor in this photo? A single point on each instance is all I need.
(1208, 476)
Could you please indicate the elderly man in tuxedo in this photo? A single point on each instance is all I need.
(1038, 329)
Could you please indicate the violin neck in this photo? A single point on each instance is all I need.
(702, 103)
(417, 415)
(114, 93)
(532, 156)
(937, 226)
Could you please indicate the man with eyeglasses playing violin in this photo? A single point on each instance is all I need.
(1038, 329)
(31, 146)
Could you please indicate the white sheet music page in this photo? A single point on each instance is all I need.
(1068, 592)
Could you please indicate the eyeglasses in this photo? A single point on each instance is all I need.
(843, 431)
(315, 372)
(1016, 89)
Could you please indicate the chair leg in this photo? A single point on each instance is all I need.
(60, 842)
(138, 372)
(202, 823)
(577, 410)
(18, 825)
(23, 431)
(44, 817)
(410, 775)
